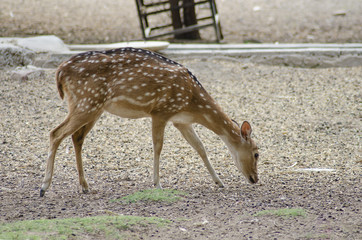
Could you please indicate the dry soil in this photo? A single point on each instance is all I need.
(301, 119)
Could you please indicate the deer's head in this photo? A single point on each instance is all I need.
(246, 154)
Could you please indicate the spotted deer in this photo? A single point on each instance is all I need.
(136, 83)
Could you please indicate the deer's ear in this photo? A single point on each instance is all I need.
(245, 131)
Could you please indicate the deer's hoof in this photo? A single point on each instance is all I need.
(220, 184)
(158, 186)
(42, 192)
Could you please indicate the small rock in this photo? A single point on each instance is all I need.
(203, 223)
(22, 74)
(256, 8)
(340, 13)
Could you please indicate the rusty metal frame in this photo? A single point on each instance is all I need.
(147, 30)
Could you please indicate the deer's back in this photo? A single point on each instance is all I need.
(127, 78)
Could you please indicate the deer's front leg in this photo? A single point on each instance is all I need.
(191, 137)
(158, 129)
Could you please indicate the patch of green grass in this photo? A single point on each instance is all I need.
(102, 227)
(156, 195)
(284, 212)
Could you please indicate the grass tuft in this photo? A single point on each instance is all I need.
(155, 195)
(101, 227)
(284, 212)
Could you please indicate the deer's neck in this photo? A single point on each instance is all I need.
(214, 118)
(228, 131)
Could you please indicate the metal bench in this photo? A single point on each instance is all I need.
(152, 29)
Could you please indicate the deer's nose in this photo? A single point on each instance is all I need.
(253, 179)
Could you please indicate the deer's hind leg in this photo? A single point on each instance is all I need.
(74, 121)
(78, 140)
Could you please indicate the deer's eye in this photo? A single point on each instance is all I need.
(256, 155)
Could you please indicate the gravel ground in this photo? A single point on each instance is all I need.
(302, 118)
(92, 21)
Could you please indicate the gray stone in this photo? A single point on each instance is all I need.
(39, 44)
(12, 56)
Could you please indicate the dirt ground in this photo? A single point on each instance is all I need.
(301, 119)
(93, 21)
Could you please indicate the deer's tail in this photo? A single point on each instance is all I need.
(59, 84)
